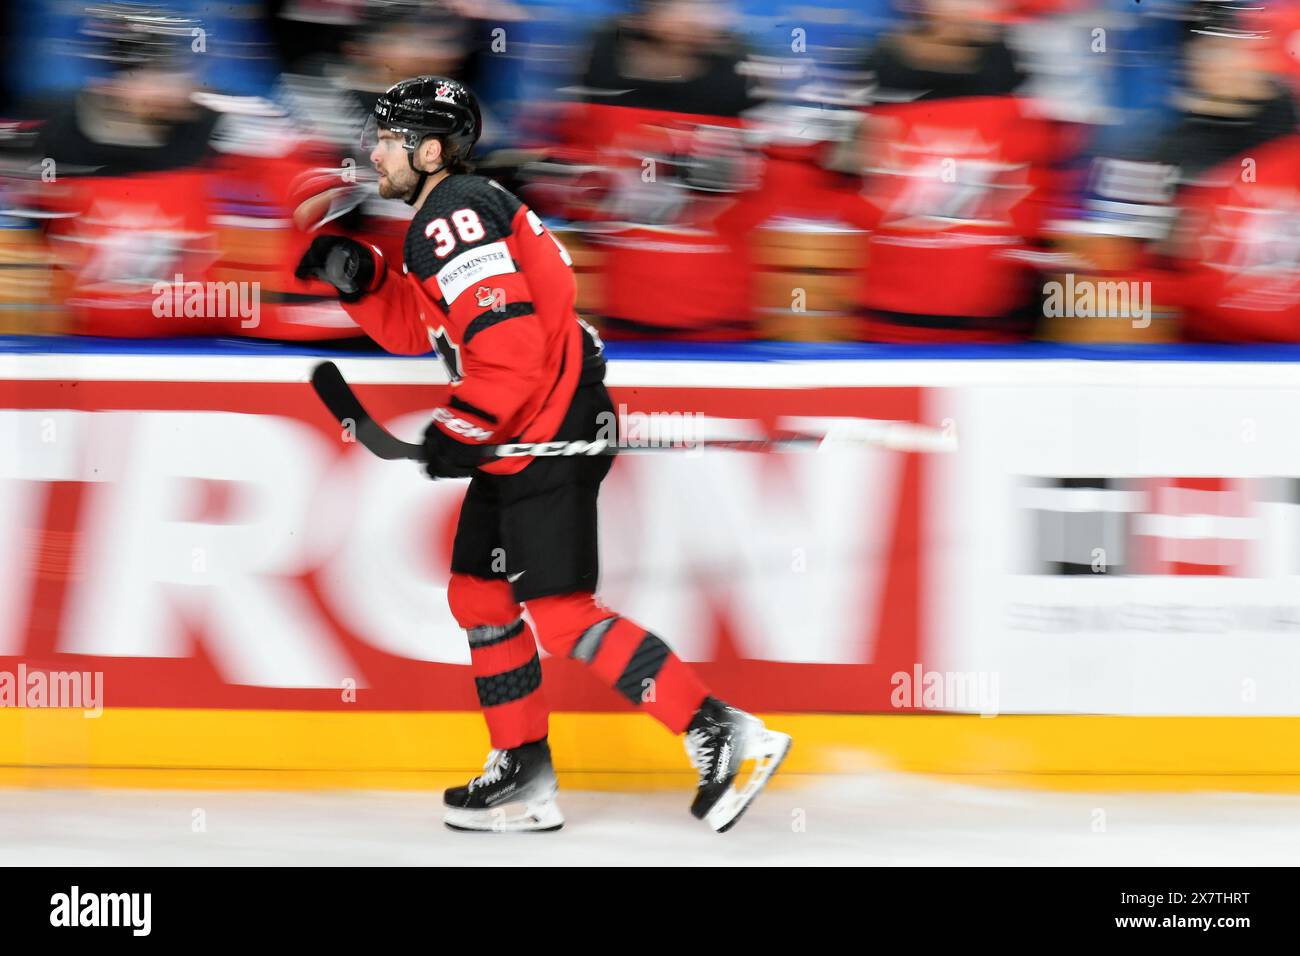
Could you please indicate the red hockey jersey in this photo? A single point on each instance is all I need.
(188, 237)
(960, 186)
(492, 291)
(1236, 271)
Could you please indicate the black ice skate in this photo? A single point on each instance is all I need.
(718, 741)
(516, 792)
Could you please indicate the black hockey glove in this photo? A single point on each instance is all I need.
(445, 457)
(344, 263)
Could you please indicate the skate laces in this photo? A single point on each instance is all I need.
(497, 762)
(699, 748)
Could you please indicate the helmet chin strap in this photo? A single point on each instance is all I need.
(424, 177)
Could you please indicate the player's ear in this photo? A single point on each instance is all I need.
(429, 154)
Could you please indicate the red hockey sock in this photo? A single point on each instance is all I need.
(621, 653)
(503, 658)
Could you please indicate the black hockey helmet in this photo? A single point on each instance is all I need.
(426, 106)
(1222, 19)
(381, 15)
(128, 35)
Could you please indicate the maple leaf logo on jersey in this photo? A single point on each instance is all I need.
(128, 247)
(485, 297)
(935, 178)
(1257, 242)
(448, 353)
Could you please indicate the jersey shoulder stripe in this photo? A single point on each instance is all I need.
(485, 320)
(461, 405)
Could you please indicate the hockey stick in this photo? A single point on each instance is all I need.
(337, 394)
(347, 409)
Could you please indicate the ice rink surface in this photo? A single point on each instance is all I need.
(877, 819)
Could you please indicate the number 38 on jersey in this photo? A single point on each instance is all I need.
(464, 223)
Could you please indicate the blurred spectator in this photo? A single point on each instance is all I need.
(1280, 22)
(166, 210)
(654, 152)
(390, 40)
(234, 52)
(332, 91)
(1213, 208)
(959, 172)
(306, 29)
(716, 160)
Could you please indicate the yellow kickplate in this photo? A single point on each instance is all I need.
(192, 748)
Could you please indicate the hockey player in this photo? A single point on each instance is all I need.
(486, 284)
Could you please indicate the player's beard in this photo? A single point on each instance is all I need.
(398, 185)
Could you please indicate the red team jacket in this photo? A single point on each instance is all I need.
(208, 206)
(960, 186)
(661, 224)
(492, 291)
(1236, 271)
(692, 250)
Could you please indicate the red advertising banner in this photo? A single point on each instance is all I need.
(219, 544)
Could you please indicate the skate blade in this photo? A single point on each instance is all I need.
(767, 751)
(542, 816)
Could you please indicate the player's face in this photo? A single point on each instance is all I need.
(396, 178)
(409, 51)
(1225, 67)
(957, 12)
(687, 23)
(153, 95)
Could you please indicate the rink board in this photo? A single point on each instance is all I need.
(265, 602)
(231, 749)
